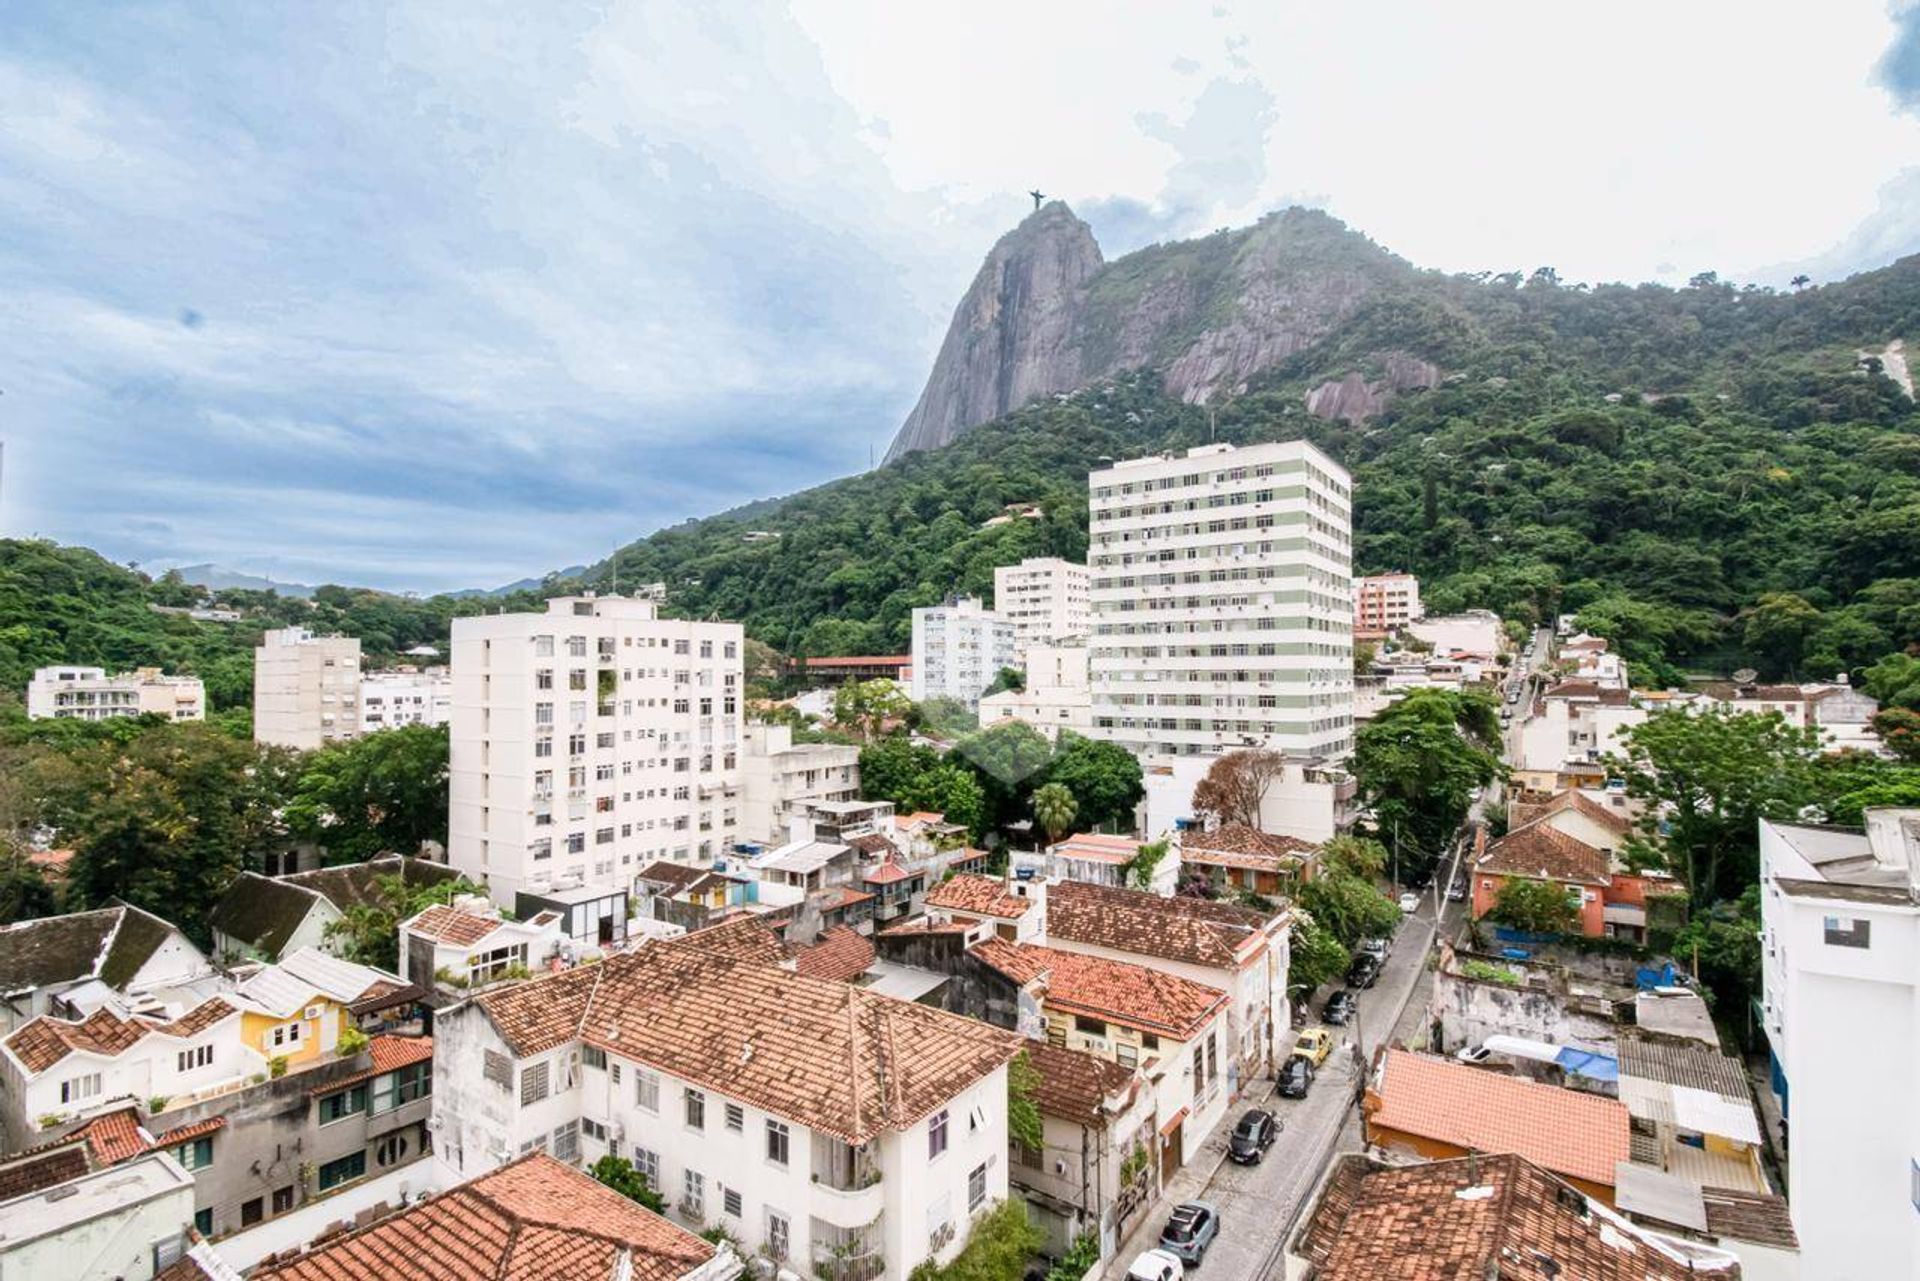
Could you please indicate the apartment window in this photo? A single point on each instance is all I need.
(282, 1201)
(1125, 1055)
(533, 1084)
(937, 1134)
(693, 1196)
(777, 1142)
(543, 679)
(543, 713)
(577, 646)
(391, 1150)
(1842, 931)
(779, 1234)
(543, 647)
(647, 1164)
(977, 1187)
(730, 1202)
(345, 1170)
(1092, 1027)
(80, 1087)
(415, 1081)
(736, 1117)
(594, 1057)
(197, 1155)
(498, 1068)
(646, 1090)
(251, 1212)
(696, 1109)
(342, 1104)
(566, 1142)
(287, 1036)
(198, 1057)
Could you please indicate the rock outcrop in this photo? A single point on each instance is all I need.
(1046, 314)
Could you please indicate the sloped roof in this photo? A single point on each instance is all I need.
(742, 938)
(532, 1218)
(110, 944)
(1115, 991)
(1096, 846)
(116, 1136)
(831, 1056)
(1196, 931)
(42, 1042)
(1580, 803)
(1727, 692)
(981, 895)
(264, 911)
(1492, 1215)
(840, 953)
(1575, 1135)
(451, 925)
(284, 987)
(41, 1169)
(1074, 1085)
(1237, 845)
(390, 1054)
(676, 875)
(1542, 852)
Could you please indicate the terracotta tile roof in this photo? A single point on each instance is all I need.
(1074, 1085)
(1494, 1215)
(1760, 1217)
(841, 954)
(887, 873)
(390, 1054)
(981, 895)
(1237, 840)
(831, 1056)
(1726, 692)
(199, 1018)
(187, 1133)
(871, 843)
(42, 1168)
(677, 875)
(44, 1041)
(1575, 1135)
(52, 862)
(451, 925)
(113, 1137)
(741, 938)
(844, 896)
(533, 1218)
(863, 660)
(1116, 991)
(918, 816)
(1192, 930)
(924, 925)
(1096, 847)
(1580, 803)
(1540, 852)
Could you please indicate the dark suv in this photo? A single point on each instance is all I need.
(1296, 1076)
(1253, 1136)
(1338, 1011)
(1364, 970)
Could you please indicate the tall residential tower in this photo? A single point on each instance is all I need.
(1045, 598)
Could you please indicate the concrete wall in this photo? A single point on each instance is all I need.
(1470, 1010)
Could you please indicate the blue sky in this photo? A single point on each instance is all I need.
(442, 294)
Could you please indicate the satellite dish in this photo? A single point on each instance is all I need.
(1745, 676)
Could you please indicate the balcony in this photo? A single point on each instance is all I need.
(846, 1184)
(848, 1255)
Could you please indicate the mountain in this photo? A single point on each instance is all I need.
(1300, 299)
(219, 578)
(517, 586)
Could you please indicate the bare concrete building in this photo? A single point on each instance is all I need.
(306, 689)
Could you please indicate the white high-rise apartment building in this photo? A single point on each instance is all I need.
(1045, 598)
(1222, 590)
(1840, 1001)
(389, 700)
(958, 648)
(89, 694)
(306, 689)
(590, 741)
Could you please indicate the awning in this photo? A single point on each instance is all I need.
(1174, 1123)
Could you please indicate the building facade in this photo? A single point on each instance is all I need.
(306, 689)
(1222, 596)
(1840, 1003)
(389, 700)
(779, 778)
(1045, 598)
(958, 648)
(1056, 695)
(1385, 603)
(89, 694)
(589, 741)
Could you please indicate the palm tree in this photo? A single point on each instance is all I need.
(1054, 809)
(1801, 282)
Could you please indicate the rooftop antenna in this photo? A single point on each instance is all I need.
(1038, 196)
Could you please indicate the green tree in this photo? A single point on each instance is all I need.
(866, 706)
(1538, 907)
(1419, 764)
(1000, 1245)
(1349, 907)
(1010, 759)
(951, 791)
(1899, 731)
(944, 718)
(1316, 956)
(1023, 1114)
(1008, 678)
(369, 932)
(1104, 778)
(380, 793)
(618, 1173)
(1054, 810)
(1140, 867)
(1723, 944)
(1775, 629)
(891, 767)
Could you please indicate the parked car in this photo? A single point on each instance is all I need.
(1156, 1265)
(1364, 970)
(1409, 903)
(1296, 1077)
(1377, 948)
(1338, 1010)
(1457, 892)
(1473, 1054)
(1190, 1229)
(1313, 1044)
(1252, 1136)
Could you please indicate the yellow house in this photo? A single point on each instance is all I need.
(296, 1010)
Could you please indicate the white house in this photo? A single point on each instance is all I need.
(1840, 1003)
(1477, 631)
(1311, 800)
(816, 1121)
(472, 945)
(1056, 695)
(82, 959)
(778, 778)
(405, 696)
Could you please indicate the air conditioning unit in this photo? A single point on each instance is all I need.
(1059, 1167)
(313, 1012)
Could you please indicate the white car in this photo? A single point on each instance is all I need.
(1409, 903)
(1156, 1265)
(1473, 1054)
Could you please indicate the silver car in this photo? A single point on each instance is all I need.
(1190, 1229)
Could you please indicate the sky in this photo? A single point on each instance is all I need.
(446, 293)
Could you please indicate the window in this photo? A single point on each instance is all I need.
(1125, 1055)
(1844, 931)
(777, 1142)
(593, 1129)
(1092, 1027)
(648, 1164)
(197, 1155)
(696, 1109)
(533, 1084)
(693, 1197)
(342, 1104)
(646, 1090)
(283, 1199)
(80, 1087)
(198, 1057)
(287, 1036)
(345, 1170)
(937, 1134)
(736, 1117)
(498, 1068)
(779, 1234)
(251, 1213)
(391, 1150)
(977, 1187)
(566, 1142)
(730, 1201)
(415, 1081)
(593, 1057)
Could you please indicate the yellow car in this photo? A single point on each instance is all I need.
(1313, 1044)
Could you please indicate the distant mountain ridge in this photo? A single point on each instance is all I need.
(220, 578)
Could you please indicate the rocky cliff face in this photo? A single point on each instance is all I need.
(1046, 314)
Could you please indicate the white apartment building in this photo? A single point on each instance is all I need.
(781, 779)
(590, 741)
(306, 689)
(1045, 598)
(1840, 982)
(1573, 724)
(1056, 697)
(89, 694)
(1222, 592)
(846, 1133)
(958, 648)
(389, 700)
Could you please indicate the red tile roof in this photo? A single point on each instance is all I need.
(42, 1042)
(187, 1133)
(1237, 845)
(980, 895)
(841, 954)
(888, 873)
(115, 1137)
(1581, 1136)
(533, 1218)
(390, 1054)
(1191, 930)
(743, 938)
(1540, 852)
(1116, 991)
(1074, 1085)
(1580, 803)
(451, 925)
(925, 925)
(863, 660)
(1491, 1216)
(1097, 847)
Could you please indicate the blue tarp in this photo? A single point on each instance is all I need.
(1596, 1067)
